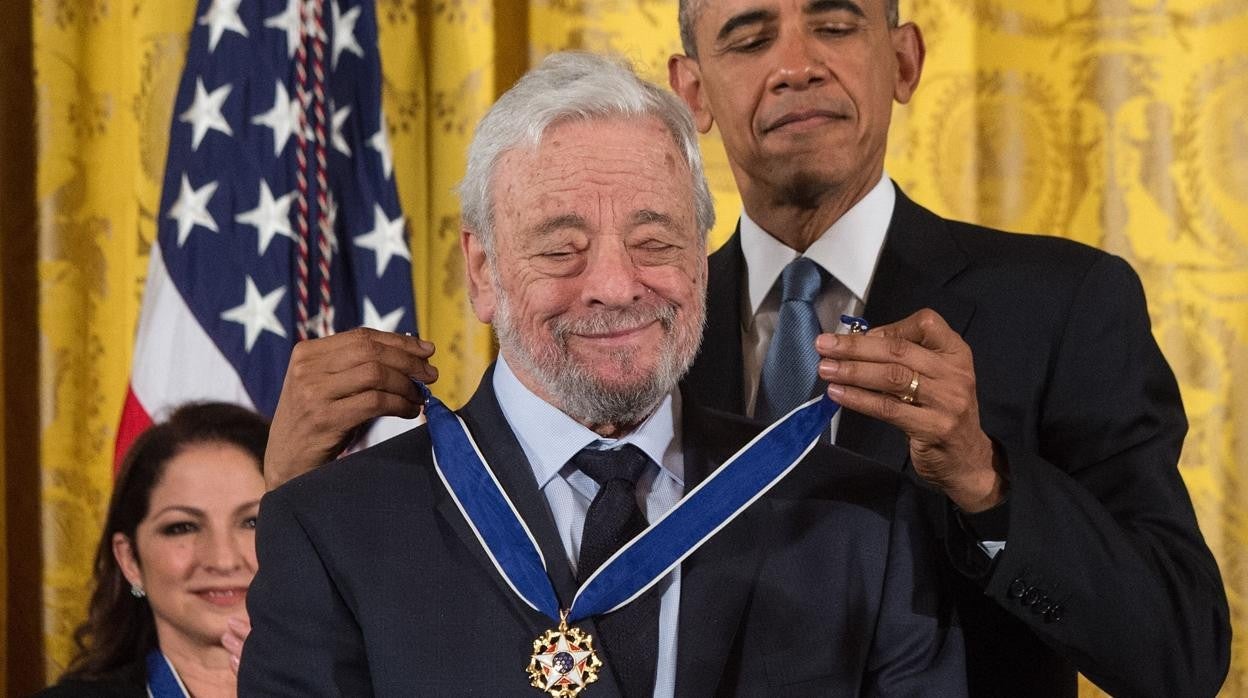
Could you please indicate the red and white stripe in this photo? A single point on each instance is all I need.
(175, 361)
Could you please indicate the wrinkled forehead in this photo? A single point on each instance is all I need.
(597, 169)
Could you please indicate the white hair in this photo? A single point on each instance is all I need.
(571, 86)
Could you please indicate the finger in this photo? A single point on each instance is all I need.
(911, 419)
(351, 349)
(364, 378)
(892, 378)
(240, 626)
(362, 407)
(881, 349)
(359, 342)
(926, 328)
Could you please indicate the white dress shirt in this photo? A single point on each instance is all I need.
(551, 438)
(848, 251)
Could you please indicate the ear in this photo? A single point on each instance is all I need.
(477, 267)
(910, 51)
(685, 76)
(123, 553)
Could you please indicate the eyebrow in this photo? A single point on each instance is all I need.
(199, 513)
(647, 216)
(567, 220)
(820, 6)
(735, 22)
(190, 511)
(761, 15)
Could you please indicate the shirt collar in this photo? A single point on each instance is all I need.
(550, 438)
(848, 250)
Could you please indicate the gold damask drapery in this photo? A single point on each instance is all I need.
(1120, 123)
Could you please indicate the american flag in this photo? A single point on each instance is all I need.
(279, 217)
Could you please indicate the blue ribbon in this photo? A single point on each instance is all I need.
(161, 681)
(647, 558)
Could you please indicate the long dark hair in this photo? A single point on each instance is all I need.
(119, 629)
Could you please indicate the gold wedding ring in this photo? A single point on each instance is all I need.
(913, 391)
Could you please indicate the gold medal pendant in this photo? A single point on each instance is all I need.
(564, 661)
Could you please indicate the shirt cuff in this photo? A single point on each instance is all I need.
(990, 527)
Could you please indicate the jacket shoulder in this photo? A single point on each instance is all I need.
(383, 474)
(828, 473)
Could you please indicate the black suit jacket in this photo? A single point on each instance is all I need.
(1073, 388)
(370, 581)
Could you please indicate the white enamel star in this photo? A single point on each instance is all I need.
(555, 674)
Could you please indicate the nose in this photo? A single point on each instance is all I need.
(222, 551)
(798, 64)
(611, 276)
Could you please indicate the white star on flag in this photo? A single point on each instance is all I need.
(217, 293)
(385, 240)
(191, 209)
(221, 16)
(344, 32)
(205, 112)
(318, 325)
(377, 321)
(331, 212)
(270, 217)
(283, 117)
(340, 118)
(381, 143)
(256, 314)
(289, 22)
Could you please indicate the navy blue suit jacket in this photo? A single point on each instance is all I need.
(371, 581)
(1105, 570)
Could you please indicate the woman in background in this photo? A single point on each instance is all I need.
(175, 559)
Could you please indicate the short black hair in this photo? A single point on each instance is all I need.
(688, 10)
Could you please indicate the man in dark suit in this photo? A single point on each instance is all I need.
(586, 252)
(1016, 377)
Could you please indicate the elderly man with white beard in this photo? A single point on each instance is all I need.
(580, 525)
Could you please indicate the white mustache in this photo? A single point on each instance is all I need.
(608, 321)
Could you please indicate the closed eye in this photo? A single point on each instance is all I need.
(749, 44)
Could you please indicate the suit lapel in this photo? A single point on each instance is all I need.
(919, 258)
(715, 581)
(715, 376)
(506, 459)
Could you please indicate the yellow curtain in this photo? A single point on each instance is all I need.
(1120, 123)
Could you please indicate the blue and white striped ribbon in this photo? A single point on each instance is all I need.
(162, 680)
(646, 559)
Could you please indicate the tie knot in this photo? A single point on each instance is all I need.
(801, 281)
(624, 463)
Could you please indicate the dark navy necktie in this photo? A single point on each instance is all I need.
(631, 634)
(790, 373)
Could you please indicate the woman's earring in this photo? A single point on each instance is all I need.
(137, 591)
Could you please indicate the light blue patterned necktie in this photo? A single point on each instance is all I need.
(791, 369)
